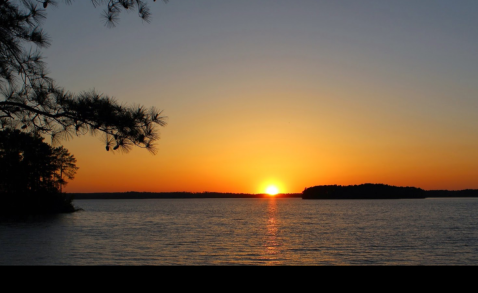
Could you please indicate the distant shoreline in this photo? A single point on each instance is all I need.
(175, 195)
(363, 191)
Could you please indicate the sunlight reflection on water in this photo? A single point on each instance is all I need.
(272, 244)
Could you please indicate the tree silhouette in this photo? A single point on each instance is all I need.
(30, 100)
(31, 165)
(65, 166)
(31, 174)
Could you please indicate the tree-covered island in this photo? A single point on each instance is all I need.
(379, 191)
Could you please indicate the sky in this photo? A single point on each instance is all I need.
(290, 93)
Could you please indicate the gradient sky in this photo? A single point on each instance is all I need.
(294, 93)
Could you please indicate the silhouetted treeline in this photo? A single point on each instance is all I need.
(172, 195)
(31, 175)
(363, 191)
(379, 191)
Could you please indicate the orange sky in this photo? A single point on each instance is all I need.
(300, 94)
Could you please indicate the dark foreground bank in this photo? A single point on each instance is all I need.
(35, 204)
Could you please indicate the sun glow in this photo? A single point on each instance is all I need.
(272, 190)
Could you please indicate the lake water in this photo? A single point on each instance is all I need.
(259, 232)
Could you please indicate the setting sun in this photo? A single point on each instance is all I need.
(272, 190)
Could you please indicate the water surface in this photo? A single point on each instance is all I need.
(259, 232)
